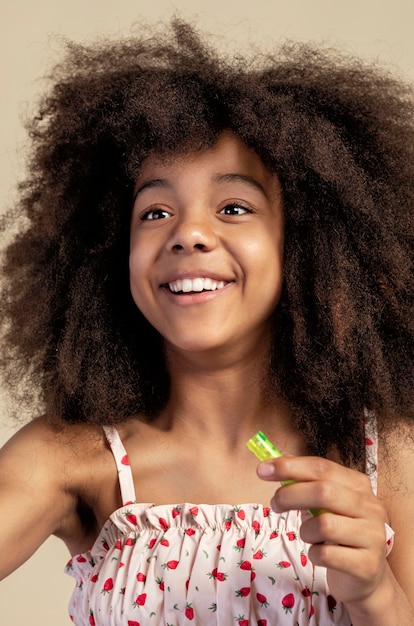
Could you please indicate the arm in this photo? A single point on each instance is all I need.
(33, 500)
(350, 540)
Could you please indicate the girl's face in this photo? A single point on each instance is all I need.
(207, 247)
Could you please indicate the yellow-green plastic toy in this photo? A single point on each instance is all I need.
(264, 450)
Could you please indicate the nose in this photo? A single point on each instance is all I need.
(192, 233)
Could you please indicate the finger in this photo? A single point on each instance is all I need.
(306, 469)
(363, 564)
(329, 496)
(345, 531)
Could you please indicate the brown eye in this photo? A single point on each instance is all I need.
(235, 209)
(155, 214)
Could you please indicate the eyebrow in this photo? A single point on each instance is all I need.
(241, 178)
(217, 178)
(153, 183)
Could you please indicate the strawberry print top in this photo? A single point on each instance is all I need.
(175, 565)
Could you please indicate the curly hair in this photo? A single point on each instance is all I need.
(338, 133)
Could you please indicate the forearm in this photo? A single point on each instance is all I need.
(388, 607)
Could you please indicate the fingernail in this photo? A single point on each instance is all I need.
(273, 505)
(265, 470)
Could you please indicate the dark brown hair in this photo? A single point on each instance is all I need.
(340, 136)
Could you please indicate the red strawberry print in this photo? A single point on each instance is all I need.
(312, 611)
(171, 564)
(266, 511)
(259, 555)
(252, 575)
(140, 600)
(240, 543)
(243, 592)
(189, 612)
(262, 622)
(303, 558)
(125, 460)
(165, 542)
(274, 534)
(368, 442)
(160, 583)
(220, 576)
(241, 514)
(306, 592)
(118, 545)
(108, 586)
(190, 532)
(141, 577)
(81, 559)
(175, 512)
(163, 523)
(291, 535)
(256, 527)
(245, 565)
(242, 621)
(152, 543)
(94, 578)
(262, 599)
(194, 511)
(91, 619)
(130, 517)
(132, 623)
(227, 523)
(331, 603)
(105, 545)
(283, 564)
(288, 602)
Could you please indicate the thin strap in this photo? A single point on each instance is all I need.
(371, 449)
(126, 482)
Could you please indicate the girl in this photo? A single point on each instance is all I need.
(209, 247)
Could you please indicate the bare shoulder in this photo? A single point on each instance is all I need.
(53, 445)
(396, 489)
(396, 464)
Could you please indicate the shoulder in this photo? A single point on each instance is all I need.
(396, 462)
(52, 439)
(396, 490)
(51, 456)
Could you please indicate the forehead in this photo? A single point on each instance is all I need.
(229, 155)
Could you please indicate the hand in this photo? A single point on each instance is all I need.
(349, 539)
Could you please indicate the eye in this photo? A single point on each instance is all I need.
(235, 209)
(155, 214)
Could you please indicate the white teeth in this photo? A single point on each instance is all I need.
(188, 285)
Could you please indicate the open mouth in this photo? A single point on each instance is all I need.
(194, 285)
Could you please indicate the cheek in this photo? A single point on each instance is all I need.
(137, 267)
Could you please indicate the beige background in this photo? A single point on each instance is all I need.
(38, 593)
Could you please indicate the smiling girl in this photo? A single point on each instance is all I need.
(209, 247)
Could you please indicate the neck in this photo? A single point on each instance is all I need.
(226, 402)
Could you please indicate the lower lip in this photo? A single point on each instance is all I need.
(188, 299)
